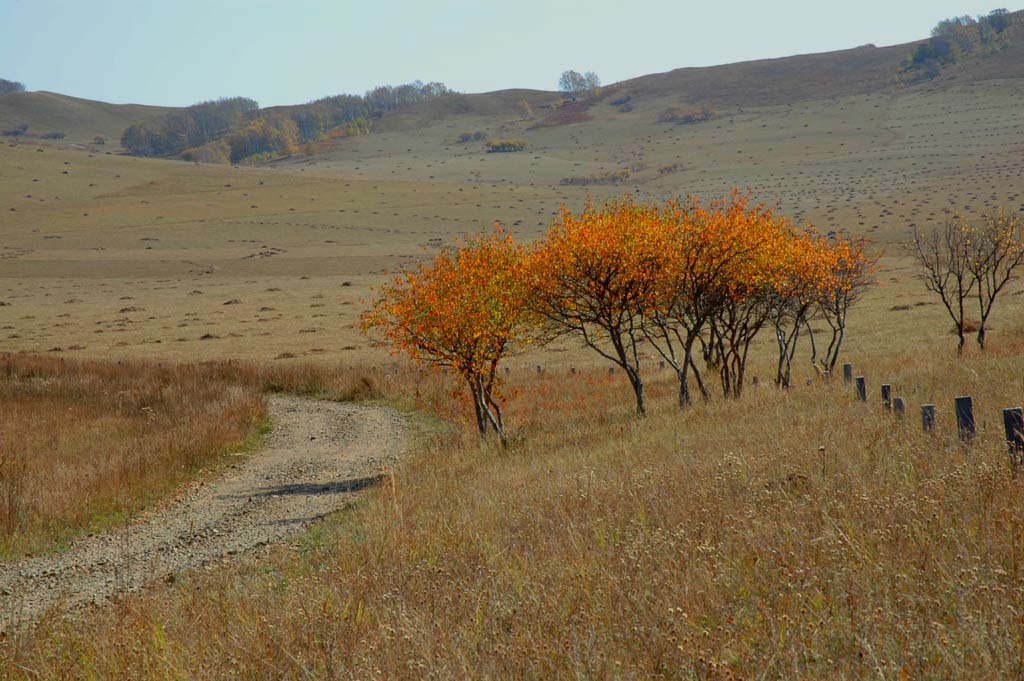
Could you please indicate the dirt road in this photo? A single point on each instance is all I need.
(316, 457)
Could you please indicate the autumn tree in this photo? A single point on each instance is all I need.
(704, 251)
(462, 312)
(803, 270)
(592, 280)
(751, 290)
(849, 277)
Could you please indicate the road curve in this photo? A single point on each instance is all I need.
(316, 457)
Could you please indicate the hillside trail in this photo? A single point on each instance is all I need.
(316, 457)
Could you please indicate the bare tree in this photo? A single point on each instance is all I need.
(996, 248)
(943, 253)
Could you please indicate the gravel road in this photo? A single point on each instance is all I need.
(316, 457)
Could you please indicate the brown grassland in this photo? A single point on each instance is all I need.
(796, 534)
(85, 443)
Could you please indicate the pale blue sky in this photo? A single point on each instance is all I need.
(176, 52)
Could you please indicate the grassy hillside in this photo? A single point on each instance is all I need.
(80, 119)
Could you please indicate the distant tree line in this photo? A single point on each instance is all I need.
(192, 126)
(10, 86)
(955, 38)
(237, 129)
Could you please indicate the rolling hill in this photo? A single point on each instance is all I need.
(80, 119)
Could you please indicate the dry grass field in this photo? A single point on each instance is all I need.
(85, 444)
(795, 534)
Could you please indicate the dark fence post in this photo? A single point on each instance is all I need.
(539, 370)
(611, 370)
(572, 370)
(965, 417)
(862, 389)
(847, 373)
(887, 396)
(898, 407)
(1013, 422)
(928, 417)
(661, 364)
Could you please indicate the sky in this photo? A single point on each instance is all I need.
(177, 52)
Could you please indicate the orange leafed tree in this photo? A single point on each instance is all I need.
(716, 267)
(463, 311)
(593, 278)
(849, 277)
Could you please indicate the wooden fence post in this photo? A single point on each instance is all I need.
(661, 364)
(965, 417)
(847, 373)
(928, 417)
(539, 370)
(887, 396)
(1013, 422)
(572, 370)
(898, 407)
(862, 389)
(611, 370)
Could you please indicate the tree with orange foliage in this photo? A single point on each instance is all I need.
(849, 277)
(802, 272)
(750, 291)
(463, 311)
(706, 249)
(593, 278)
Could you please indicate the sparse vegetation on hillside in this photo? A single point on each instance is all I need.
(958, 38)
(10, 86)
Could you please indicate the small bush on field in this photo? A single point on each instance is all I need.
(686, 116)
(16, 131)
(607, 177)
(670, 168)
(476, 136)
(502, 146)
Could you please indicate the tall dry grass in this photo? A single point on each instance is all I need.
(786, 535)
(83, 443)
